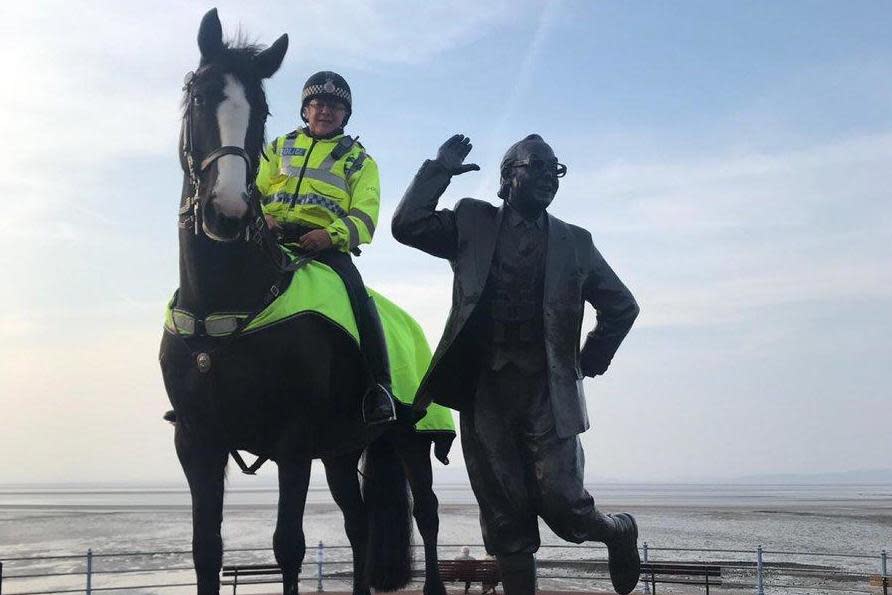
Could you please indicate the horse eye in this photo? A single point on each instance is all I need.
(197, 100)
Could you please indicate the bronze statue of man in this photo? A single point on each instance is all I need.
(509, 359)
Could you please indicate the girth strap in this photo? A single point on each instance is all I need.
(252, 470)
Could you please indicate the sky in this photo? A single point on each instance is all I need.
(731, 160)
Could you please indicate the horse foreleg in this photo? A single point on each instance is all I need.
(289, 543)
(343, 481)
(415, 452)
(204, 465)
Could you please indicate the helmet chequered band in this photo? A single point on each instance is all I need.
(326, 89)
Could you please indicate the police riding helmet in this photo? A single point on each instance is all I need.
(326, 84)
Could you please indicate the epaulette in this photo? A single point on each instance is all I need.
(343, 147)
(290, 136)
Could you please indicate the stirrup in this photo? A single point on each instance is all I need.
(391, 417)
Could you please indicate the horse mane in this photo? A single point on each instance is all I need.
(241, 50)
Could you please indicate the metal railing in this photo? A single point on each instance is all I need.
(748, 568)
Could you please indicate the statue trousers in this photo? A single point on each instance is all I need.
(521, 470)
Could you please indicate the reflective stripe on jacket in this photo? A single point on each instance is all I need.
(303, 182)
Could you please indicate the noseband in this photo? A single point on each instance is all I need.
(190, 210)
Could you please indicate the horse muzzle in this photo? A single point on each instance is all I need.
(220, 227)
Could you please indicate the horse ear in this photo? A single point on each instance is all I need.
(268, 61)
(210, 35)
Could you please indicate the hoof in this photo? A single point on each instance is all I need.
(290, 585)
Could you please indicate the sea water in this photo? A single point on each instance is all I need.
(734, 519)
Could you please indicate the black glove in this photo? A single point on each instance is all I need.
(452, 155)
(442, 445)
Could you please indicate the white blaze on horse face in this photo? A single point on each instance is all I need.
(233, 114)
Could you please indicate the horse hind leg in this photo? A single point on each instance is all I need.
(415, 453)
(204, 465)
(289, 542)
(343, 481)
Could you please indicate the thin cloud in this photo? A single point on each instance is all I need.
(99, 85)
(716, 240)
(524, 78)
(735, 190)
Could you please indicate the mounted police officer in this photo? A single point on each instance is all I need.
(509, 358)
(321, 192)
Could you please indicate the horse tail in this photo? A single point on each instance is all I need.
(385, 491)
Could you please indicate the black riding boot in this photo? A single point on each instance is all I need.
(518, 573)
(378, 403)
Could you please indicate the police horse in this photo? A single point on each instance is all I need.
(291, 392)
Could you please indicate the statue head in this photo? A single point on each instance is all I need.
(529, 176)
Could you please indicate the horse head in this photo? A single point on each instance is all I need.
(222, 132)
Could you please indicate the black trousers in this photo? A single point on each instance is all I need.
(371, 334)
(521, 470)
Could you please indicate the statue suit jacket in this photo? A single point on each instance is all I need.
(574, 273)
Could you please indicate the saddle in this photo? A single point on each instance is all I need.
(318, 291)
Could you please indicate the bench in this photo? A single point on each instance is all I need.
(486, 572)
(878, 580)
(681, 573)
(251, 574)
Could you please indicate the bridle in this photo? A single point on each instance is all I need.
(190, 214)
(256, 230)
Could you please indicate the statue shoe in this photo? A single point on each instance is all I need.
(518, 573)
(377, 406)
(624, 560)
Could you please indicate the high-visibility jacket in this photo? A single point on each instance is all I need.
(328, 183)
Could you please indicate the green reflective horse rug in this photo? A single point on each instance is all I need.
(316, 290)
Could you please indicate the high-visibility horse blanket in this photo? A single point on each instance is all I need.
(317, 290)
